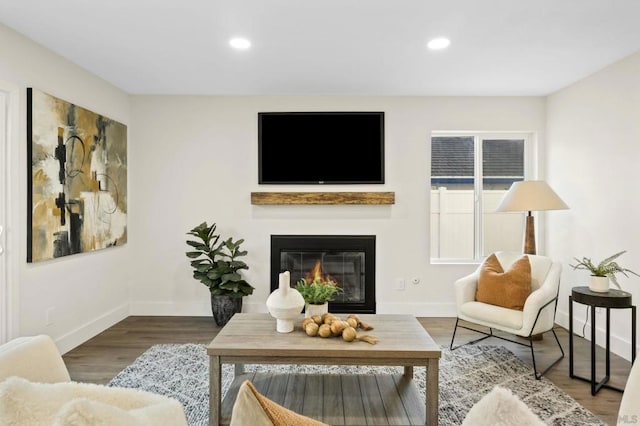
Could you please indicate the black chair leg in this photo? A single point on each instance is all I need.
(454, 334)
(530, 339)
(533, 356)
(486, 335)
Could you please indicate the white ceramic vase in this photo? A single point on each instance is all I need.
(599, 284)
(285, 304)
(311, 310)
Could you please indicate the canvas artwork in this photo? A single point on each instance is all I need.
(77, 179)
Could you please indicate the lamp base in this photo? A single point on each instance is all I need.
(530, 248)
(530, 236)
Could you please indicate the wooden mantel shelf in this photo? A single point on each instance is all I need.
(264, 198)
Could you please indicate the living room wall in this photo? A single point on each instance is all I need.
(84, 293)
(593, 147)
(194, 159)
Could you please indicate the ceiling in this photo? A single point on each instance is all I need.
(333, 47)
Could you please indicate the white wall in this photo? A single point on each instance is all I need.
(593, 153)
(87, 292)
(195, 159)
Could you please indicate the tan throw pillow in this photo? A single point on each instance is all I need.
(253, 408)
(508, 289)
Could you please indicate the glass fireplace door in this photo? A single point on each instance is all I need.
(348, 260)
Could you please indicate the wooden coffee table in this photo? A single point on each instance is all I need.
(337, 399)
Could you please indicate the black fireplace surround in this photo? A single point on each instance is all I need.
(347, 259)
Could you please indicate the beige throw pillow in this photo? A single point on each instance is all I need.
(254, 409)
(508, 289)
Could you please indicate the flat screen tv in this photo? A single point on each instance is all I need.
(320, 147)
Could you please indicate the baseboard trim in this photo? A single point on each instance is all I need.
(418, 309)
(85, 332)
(191, 309)
(204, 308)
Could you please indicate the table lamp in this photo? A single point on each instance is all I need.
(528, 195)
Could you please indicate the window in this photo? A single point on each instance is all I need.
(470, 172)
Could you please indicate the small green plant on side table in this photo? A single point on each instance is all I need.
(607, 268)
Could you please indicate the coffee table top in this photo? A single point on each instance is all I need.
(401, 337)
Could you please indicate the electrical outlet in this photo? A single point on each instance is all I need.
(399, 284)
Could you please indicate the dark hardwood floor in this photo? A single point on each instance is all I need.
(102, 357)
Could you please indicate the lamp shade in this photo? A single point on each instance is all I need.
(529, 195)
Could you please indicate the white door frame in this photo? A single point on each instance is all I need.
(9, 134)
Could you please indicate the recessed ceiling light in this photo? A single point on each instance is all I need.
(240, 43)
(438, 43)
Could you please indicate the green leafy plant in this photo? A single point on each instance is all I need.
(317, 291)
(606, 268)
(215, 262)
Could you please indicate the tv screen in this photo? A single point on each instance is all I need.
(320, 147)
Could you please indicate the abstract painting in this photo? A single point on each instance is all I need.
(77, 179)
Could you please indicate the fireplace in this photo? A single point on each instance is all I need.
(347, 259)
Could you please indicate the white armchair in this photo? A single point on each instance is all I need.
(629, 411)
(537, 316)
(35, 388)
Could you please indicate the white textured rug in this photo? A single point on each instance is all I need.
(466, 374)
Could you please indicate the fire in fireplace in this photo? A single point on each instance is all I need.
(347, 259)
(315, 274)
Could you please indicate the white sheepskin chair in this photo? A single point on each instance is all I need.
(629, 412)
(35, 389)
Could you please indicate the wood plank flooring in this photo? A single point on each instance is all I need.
(99, 359)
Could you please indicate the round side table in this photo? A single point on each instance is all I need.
(613, 299)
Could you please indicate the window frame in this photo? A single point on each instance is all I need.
(530, 162)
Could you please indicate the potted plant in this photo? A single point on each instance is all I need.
(317, 293)
(603, 272)
(216, 265)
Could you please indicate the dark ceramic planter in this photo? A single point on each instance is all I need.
(223, 308)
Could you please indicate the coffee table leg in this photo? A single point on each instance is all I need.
(215, 384)
(432, 402)
(238, 370)
(408, 372)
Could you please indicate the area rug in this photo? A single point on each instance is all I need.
(466, 374)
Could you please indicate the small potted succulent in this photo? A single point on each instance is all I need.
(604, 272)
(317, 293)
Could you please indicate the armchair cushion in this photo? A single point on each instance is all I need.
(509, 288)
(491, 315)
